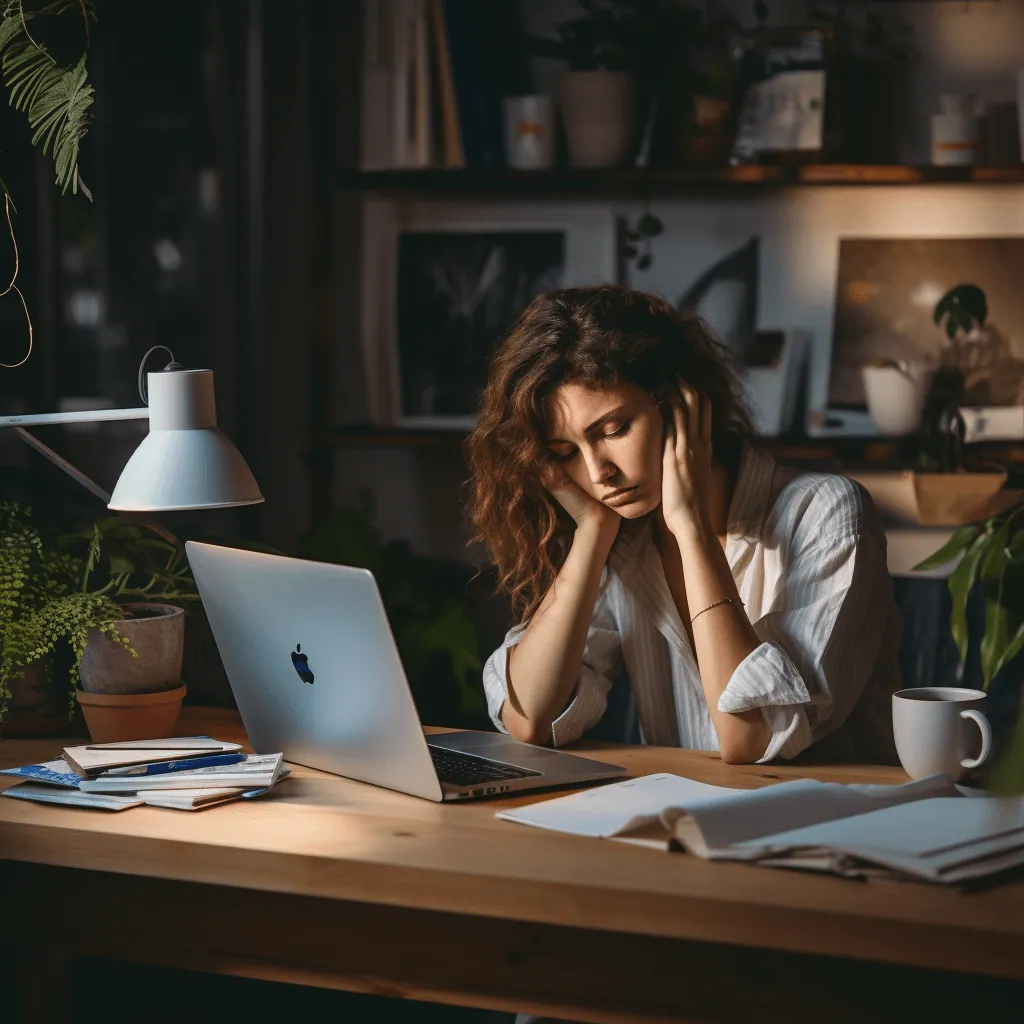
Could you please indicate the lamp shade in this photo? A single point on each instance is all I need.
(185, 462)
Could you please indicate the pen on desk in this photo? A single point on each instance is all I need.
(183, 764)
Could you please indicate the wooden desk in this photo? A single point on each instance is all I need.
(333, 883)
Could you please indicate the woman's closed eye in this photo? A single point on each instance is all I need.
(566, 455)
(619, 431)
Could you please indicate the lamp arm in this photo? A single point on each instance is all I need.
(48, 419)
(76, 474)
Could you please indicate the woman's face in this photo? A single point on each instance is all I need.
(610, 442)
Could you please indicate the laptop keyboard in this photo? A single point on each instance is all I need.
(460, 769)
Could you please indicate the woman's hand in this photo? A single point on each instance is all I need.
(580, 505)
(686, 467)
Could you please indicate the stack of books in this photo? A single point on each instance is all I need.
(185, 773)
(434, 75)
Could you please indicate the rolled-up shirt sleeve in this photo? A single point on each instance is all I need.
(602, 654)
(820, 639)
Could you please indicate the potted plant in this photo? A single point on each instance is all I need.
(597, 94)
(112, 597)
(901, 396)
(991, 554)
(618, 52)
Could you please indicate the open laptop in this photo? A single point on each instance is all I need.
(316, 674)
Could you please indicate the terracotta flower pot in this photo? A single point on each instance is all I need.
(112, 717)
(598, 111)
(156, 632)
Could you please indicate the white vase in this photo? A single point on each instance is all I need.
(598, 112)
(896, 397)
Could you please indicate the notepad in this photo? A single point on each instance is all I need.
(929, 829)
(92, 759)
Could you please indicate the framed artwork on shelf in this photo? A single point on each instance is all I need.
(443, 283)
(887, 292)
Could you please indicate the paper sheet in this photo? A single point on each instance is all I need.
(611, 810)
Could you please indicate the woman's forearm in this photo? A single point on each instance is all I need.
(722, 638)
(544, 666)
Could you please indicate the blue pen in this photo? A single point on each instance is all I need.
(184, 764)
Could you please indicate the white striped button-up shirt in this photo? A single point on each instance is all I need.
(808, 556)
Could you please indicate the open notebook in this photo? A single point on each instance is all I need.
(930, 829)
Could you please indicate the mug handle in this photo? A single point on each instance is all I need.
(986, 738)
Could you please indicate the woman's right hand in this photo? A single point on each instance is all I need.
(580, 505)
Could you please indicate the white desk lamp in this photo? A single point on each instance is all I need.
(184, 463)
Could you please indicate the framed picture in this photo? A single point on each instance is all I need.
(886, 293)
(445, 283)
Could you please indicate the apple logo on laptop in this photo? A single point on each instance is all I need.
(301, 663)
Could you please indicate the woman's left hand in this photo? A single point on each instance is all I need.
(686, 466)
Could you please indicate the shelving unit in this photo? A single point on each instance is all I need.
(807, 452)
(628, 182)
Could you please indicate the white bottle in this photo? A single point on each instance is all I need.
(956, 138)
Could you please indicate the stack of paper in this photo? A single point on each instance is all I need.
(929, 829)
(184, 774)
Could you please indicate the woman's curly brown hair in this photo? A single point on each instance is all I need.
(596, 336)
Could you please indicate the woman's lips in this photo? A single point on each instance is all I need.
(625, 496)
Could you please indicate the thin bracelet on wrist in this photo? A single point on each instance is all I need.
(714, 604)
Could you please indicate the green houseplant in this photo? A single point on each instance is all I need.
(961, 313)
(967, 372)
(79, 590)
(991, 554)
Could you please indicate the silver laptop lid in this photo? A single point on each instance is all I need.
(313, 666)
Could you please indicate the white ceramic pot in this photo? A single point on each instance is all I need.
(896, 397)
(598, 111)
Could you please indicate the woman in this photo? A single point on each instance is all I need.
(637, 530)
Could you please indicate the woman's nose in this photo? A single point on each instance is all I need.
(599, 469)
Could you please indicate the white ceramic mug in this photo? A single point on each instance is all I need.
(936, 729)
(529, 132)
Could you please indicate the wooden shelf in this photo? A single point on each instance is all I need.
(627, 181)
(805, 452)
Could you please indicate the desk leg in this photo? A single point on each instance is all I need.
(42, 988)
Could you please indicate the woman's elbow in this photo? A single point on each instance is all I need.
(744, 746)
(524, 729)
(738, 753)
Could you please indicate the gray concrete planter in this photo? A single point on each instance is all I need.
(157, 633)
